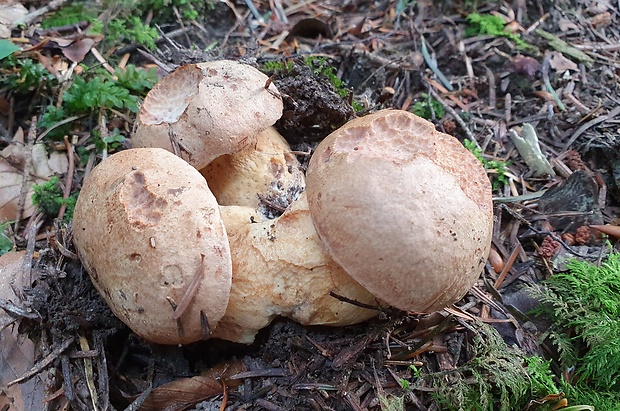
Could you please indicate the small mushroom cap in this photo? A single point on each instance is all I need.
(202, 111)
(281, 269)
(142, 223)
(404, 209)
(264, 175)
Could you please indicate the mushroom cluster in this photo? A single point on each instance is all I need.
(226, 235)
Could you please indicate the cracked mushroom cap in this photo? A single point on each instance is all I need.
(280, 268)
(404, 209)
(201, 111)
(148, 229)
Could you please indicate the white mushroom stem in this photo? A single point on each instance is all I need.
(280, 268)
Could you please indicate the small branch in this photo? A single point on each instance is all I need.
(69, 179)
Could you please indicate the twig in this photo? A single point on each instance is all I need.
(69, 180)
(190, 292)
(454, 114)
(42, 364)
(254, 11)
(613, 113)
(545, 75)
(354, 302)
(88, 371)
(30, 17)
(491, 80)
(32, 132)
(507, 266)
(433, 66)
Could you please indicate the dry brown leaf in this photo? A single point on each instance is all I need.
(9, 13)
(17, 353)
(12, 161)
(180, 394)
(78, 50)
(560, 63)
(566, 24)
(601, 19)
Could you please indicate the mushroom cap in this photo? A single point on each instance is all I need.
(404, 209)
(264, 175)
(280, 268)
(142, 223)
(207, 109)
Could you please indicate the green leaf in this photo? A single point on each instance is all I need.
(7, 48)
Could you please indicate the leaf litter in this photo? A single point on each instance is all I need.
(479, 354)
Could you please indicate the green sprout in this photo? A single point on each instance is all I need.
(23, 75)
(49, 197)
(415, 371)
(404, 384)
(422, 108)
(110, 142)
(6, 244)
(499, 167)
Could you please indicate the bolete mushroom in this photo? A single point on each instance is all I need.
(265, 176)
(148, 231)
(280, 268)
(404, 209)
(201, 111)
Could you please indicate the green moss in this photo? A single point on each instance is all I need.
(494, 379)
(320, 67)
(276, 66)
(492, 25)
(499, 167)
(422, 108)
(49, 197)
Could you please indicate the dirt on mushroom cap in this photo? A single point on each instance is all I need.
(406, 210)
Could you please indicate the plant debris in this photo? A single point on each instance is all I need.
(73, 76)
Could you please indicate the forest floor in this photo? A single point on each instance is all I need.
(71, 79)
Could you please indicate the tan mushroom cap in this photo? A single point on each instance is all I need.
(205, 110)
(262, 176)
(142, 223)
(406, 210)
(281, 269)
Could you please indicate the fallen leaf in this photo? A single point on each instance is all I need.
(78, 50)
(12, 162)
(180, 394)
(560, 63)
(17, 353)
(9, 13)
(566, 24)
(601, 19)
